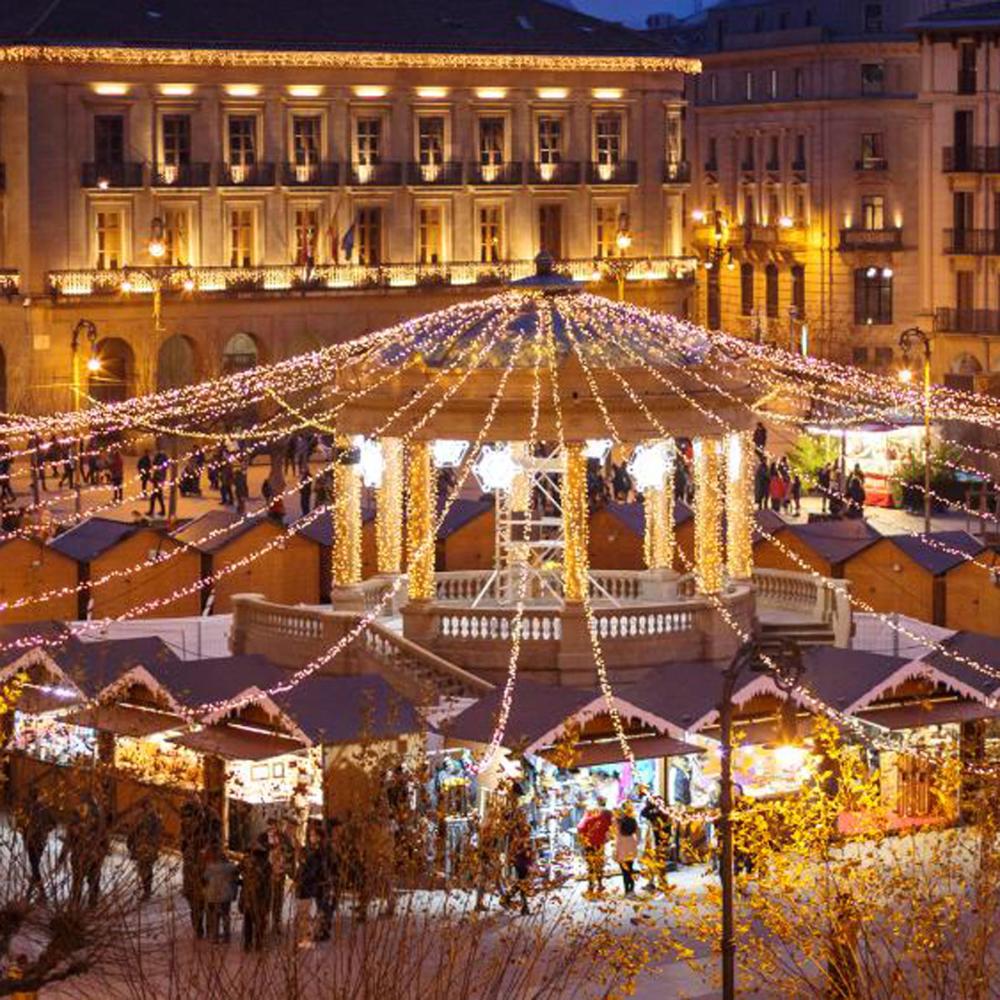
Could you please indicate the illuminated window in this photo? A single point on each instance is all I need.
(369, 141)
(176, 137)
(608, 139)
(605, 230)
(306, 140)
(430, 234)
(305, 235)
(241, 237)
(369, 236)
(872, 211)
(430, 140)
(241, 140)
(109, 240)
(550, 132)
(491, 235)
(176, 237)
(872, 296)
(491, 141)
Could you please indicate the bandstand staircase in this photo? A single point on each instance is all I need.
(773, 635)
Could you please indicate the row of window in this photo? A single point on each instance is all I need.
(778, 85)
(872, 20)
(312, 242)
(771, 296)
(308, 142)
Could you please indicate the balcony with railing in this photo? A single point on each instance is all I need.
(978, 242)
(970, 159)
(448, 174)
(951, 320)
(246, 175)
(863, 238)
(871, 164)
(104, 176)
(323, 174)
(496, 174)
(185, 282)
(507, 174)
(181, 175)
(679, 171)
(376, 174)
(622, 172)
(564, 172)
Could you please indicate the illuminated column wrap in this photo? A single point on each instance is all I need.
(420, 523)
(389, 508)
(658, 507)
(708, 500)
(575, 513)
(739, 506)
(346, 557)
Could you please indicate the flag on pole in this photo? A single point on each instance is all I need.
(348, 243)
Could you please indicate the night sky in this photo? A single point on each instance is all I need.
(634, 12)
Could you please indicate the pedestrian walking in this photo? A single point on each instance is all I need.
(6, 470)
(593, 833)
(54, 455)
(761, 484)
(35, 823)
(760, 439)
(194, 843)
(241, 489)
(627, 846)
(281, 854)
(226, 480)
(144, 842)
(255, 894)
(312, 885)
(221, 879)
(87, 843)
(145, 469)
(796, 494)
(68, 477)
(823, 480)
(161, 464)
(116, 469)
(520, 857)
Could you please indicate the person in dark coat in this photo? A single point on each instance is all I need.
(305, 489)
(35, 822)
(823, 479)
(160, 465)
(87, 844)
(144, 842)
(760, 439)
(145, 469)
(255, 894)
(761, 484)
(221, 880)
(193, 845)
(312, 884)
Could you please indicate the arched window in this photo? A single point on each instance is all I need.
(746, 289)
(112, 381)
(177, 363)
(240, 353)
(771, 290)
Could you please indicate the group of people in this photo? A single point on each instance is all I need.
(778, 486)
(86, 842)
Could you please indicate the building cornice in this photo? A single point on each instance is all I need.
(79, 55)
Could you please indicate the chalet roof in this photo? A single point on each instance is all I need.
(19, 638)
(216, 529)
(633, 515)
(479, 26)
(537, 709)
(460, 513)
(320, 528)
(842, 678)
(981, 648)
(342, 709)
(91, 538)
(934, 558)
(836, 541)
(767, 522)
(95, 665)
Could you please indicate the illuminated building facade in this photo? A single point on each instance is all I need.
(208, 202)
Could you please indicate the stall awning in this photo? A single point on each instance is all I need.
(35, 699)
(235, 743)
(125, 720)
(936, 714)
(644, 748)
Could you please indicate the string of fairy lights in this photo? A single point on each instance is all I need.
(308, 392)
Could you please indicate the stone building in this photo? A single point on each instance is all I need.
(212, 187)
(805, 135)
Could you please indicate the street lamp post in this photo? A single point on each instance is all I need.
(907, 339)
(88, 329)
(621, 266)
(787, 672)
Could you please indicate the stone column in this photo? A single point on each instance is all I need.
(708, 496)
(739, 506)
(345, 554)
(420, 542)
(658, 509)
(389, 509)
